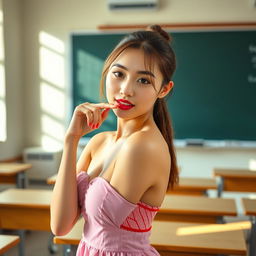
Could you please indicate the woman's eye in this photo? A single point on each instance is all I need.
(144, 81)
(118, 74)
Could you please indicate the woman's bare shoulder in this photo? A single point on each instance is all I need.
(99, 138)
(147, 139)
(152, 147)
(142, 163)
(143, 148)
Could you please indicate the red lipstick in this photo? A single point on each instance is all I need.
(124, 104)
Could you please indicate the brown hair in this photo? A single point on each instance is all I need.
(155, 43)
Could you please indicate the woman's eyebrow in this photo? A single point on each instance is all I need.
(119, 66)
(144, 72)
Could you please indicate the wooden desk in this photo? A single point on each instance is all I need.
(7, 242)
(184, 239)
(196, 209)
(25, 209)
(193, 186)
(192, 208)
(236, 180)
(14, 173)
(249, 206)
(187, 186)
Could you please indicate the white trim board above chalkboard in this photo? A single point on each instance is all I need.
(215, 81)
(214, 26)
(219, 144)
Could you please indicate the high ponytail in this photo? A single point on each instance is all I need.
(161, 114)
(155, 42)
(164, 124)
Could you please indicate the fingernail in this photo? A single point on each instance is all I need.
(97, 126)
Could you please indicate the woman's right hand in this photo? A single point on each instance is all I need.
(87, 117)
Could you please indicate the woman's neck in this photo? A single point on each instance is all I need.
(125, 128)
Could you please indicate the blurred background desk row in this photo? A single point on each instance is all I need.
(23, 208)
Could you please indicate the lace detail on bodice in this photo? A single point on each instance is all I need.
(140, 219)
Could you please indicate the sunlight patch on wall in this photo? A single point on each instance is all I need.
(49, 143)
(1, 42)
(52, 128)
(1, 14)
(2, 120)
(3, 128)
(52, 67)
(51, 42)
(52, 101)
(2, 81)
(52, 85)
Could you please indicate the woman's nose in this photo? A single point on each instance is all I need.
(127, 88)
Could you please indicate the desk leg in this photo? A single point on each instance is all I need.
(21, 233)
(52, 248)
(220, 220)
(21, 180)
(220, 186)
(252, 244)
(69, 250)
(206, 193)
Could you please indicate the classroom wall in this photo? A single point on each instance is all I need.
(13, 63)
(44, 29)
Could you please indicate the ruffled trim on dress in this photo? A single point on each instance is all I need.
(86, 250)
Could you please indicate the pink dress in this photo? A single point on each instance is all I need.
(114, 226)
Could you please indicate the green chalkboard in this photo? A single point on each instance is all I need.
(214, 97)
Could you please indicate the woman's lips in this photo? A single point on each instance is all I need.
(124, 105)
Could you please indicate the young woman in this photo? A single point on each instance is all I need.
(121, 177)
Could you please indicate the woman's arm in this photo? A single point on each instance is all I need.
(64, 203)
(64, 206)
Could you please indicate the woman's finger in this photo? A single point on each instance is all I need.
(88, 113)
(105, 105)
(96, 113)
(104, 114)
(97, 118)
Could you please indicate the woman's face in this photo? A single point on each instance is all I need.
(128, 79)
